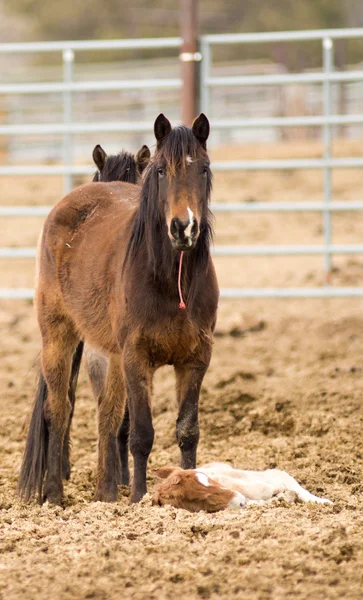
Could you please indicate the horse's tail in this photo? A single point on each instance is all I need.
(35, 455)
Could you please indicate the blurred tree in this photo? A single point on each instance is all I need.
(89, 19)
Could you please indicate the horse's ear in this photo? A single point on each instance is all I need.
(142, 159)
(164, 472)
(162, 128)
(201, 129)
(99, 156)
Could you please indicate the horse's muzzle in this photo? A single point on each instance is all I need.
(184, 234)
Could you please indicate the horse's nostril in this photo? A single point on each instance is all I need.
(183, 230)
(175, 227)
(194, 228)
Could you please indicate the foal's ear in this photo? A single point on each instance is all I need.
(162, 128)
(142, 159)
(99, 156)
(201, 129)
(164, 472)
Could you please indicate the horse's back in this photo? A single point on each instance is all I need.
(104, 200)
(83, 246)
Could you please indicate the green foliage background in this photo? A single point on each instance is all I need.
(92, 19)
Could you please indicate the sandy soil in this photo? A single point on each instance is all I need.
(283, 389)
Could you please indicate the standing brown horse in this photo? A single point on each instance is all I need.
(128, 167)
(110, 259)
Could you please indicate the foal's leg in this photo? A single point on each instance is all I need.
(110, 415)
(59, 344)
(138, 376)
(189, 380)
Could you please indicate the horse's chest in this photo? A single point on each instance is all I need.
(171, 343)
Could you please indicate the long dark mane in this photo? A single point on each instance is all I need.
(118, 167)
(149, 227)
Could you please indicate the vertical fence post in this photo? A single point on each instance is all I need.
(204, 72)
(189, 56)
(327, 140)
(68, 59)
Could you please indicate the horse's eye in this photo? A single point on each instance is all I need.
(204, 170)
(161, 172)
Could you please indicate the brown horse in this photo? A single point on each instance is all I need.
(120, 167)
(110, 258)
(128, 167)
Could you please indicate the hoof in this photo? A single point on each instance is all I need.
(136, 496)
(103, 495)
(53, 498)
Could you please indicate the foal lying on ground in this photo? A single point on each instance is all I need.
(217, 486)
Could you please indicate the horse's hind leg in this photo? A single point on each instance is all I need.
(111, 410)
(76, 363)
(59, 343)
(97, 367)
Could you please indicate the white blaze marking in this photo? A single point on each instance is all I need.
(202, 478)
(189, 160)
(188, 229)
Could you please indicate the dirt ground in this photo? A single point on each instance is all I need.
(284, 389)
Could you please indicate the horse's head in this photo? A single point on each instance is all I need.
(181, 168)
(120, 167)
(193, 490)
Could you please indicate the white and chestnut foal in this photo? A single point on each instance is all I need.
(217, 486)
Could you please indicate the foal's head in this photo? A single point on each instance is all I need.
(120, 167)
(181, 169)
(193, 490)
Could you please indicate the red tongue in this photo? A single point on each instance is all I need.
(182, 303)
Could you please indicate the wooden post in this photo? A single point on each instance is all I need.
(189, 57)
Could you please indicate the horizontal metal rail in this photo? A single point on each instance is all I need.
(143, 127)
(278, 250)
(279, 79)
(285, 121)
(156, 43)
(144, 84)
(283, 36)
(302, 250)
(280, 164)
(342, 206)
(60, 128)
(225, 165)
(319, 292)
(46, 170)
(234, 293)
(89, 86)
(284, 207)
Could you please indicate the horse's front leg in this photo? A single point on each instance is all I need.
(111, 408)
(188, 380)
(138, 374)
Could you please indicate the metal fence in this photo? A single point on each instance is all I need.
(327, 120)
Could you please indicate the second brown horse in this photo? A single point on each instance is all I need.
(108, 275)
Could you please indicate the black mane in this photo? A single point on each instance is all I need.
(118, 167)
(149, 227)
